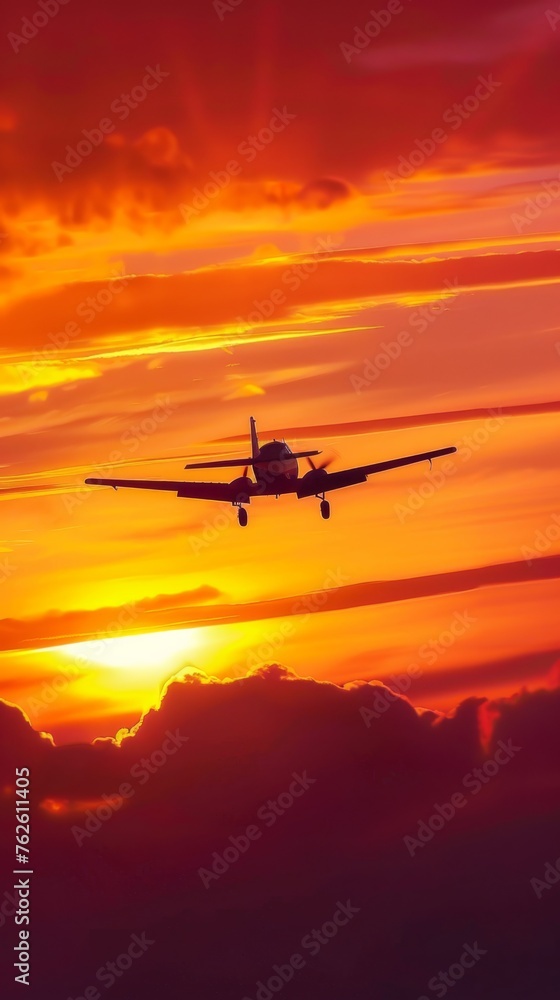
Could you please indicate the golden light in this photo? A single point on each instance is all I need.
(151, 651)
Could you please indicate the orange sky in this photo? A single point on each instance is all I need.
(143, 321)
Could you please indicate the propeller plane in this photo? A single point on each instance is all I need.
(275, 469)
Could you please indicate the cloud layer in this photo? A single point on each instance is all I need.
(370, 774)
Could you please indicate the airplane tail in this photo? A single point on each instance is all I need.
(254, 438)
(230, 462)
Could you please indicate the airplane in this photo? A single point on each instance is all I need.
(275, 468)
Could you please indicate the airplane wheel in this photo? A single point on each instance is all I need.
(325, 509)
(242, 516)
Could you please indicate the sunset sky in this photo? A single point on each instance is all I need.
(224, 212)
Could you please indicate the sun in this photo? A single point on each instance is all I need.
(145, 651)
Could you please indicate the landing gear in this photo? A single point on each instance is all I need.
(325, 506)
(242, 517)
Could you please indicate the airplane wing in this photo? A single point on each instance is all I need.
(224, 463)
(228, 462)
(323, 482)
(228, 492)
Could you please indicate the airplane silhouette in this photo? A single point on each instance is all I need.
(276, 472)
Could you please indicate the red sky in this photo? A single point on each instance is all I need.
(408, 186)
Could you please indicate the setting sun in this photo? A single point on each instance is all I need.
(280, 522)
(149, 652)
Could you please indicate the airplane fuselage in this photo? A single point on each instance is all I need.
(275, 470)
(274, 465)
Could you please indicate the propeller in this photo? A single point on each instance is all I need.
(323, 464)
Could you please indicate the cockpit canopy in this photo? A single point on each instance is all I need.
(273, 451)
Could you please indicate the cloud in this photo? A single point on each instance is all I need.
(368, 783)
(150, 313)
(398, 423)
(520, 28)
(168, 144)
(323, 192)
(183, 610)
(535, 668)
(55, 628)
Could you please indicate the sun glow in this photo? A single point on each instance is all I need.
(151, 650)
